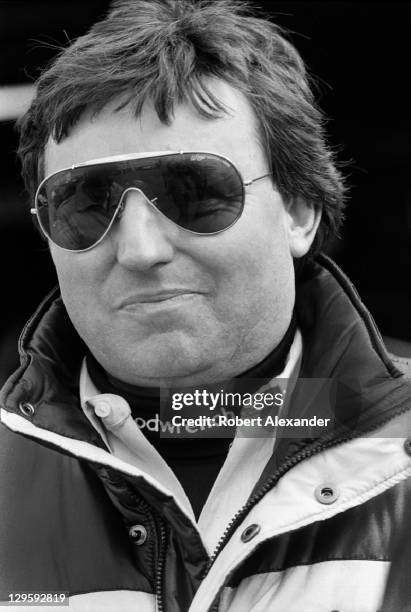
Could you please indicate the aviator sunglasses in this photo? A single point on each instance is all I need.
(202, 193)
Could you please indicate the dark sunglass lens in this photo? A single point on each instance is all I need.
(199, 192)
(76, 207)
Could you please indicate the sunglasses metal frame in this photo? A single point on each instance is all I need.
(120, 207)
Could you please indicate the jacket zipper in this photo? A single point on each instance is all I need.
(160, 606)
(159, 568)
(158, 521)
(269, 484)
(327, 442)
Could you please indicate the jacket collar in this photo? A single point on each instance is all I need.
(340, 340)
(343, 345)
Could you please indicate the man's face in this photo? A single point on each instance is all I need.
(156, 304)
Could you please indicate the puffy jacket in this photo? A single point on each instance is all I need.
(327, 525)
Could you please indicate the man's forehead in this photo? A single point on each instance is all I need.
(117, 132)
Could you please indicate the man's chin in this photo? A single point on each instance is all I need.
(160, 363)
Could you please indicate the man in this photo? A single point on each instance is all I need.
(179, 172)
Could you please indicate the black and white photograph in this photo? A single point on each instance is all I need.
(205, 336)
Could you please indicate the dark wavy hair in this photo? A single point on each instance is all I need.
(163, 51)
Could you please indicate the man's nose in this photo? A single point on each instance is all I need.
(143, 235)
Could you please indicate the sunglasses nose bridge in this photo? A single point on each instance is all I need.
(122, 203)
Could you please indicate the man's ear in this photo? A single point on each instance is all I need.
(302, 224)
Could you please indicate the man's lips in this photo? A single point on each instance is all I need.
(156, 296)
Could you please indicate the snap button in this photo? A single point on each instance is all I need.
(250, 532)
(26, 408)
(407, 446)
(326, 494)
(138, 534)
(102, 408)
(112, 409)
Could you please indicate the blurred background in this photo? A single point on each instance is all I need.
(359, 54)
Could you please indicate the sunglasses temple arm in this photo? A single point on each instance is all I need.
(251, 181)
